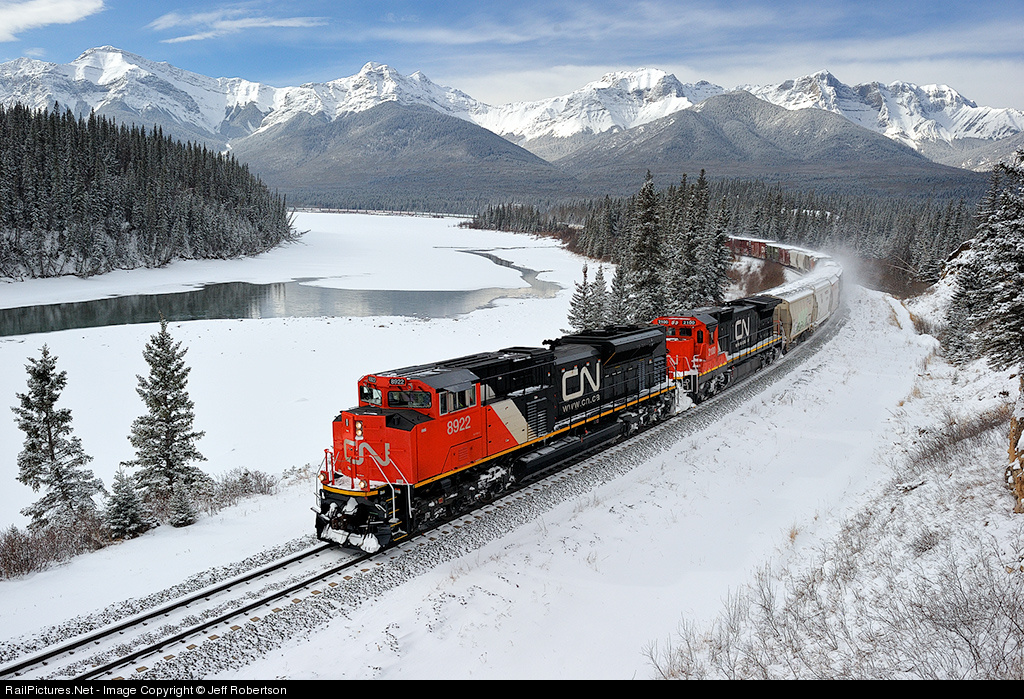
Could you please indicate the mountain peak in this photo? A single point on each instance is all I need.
(826, 77)
(631, 80)
(372, 67)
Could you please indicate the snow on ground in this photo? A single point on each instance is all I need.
(580, 592)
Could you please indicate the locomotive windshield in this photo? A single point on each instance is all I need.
(370, 394)
(408, 399)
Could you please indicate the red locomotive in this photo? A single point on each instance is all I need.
(427, 442)
(711, 347)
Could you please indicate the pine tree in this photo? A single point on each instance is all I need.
(579, 306)
(618, 310)
(163, 438)
(958, 344)
(182, 511)
(53, 458)
(646, 257)
(124, 515)
(599, 300)
(713, 260)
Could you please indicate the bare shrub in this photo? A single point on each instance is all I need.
(966, 622)
(299, 474)
(925, 541)
(19, 553)
(24, 551)
(926, 326)
(232, 487)
(898, 593)
(958, 435)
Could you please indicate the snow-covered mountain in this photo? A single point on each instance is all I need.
(373, 85)
(621, 100)
(126, 86)
(902, 111)
(934, 119)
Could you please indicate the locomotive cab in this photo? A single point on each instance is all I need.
(692, 344)
(405, 432)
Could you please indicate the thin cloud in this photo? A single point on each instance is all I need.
(17, 17)
(578, 24)
(209, 25)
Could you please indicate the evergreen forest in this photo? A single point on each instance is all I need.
(903, 242)
(85, 196)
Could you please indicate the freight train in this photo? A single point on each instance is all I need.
(427, 442)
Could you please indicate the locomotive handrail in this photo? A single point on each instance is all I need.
(391, 486)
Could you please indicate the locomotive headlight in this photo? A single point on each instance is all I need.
(359, 429)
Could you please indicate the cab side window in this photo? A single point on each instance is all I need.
(452, 401)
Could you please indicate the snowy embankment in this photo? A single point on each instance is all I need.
(579, 590)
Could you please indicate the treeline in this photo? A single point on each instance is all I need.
(905, 240)
(86, 196)
(517, 218)
(911, 238)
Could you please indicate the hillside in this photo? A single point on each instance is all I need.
(396, 156)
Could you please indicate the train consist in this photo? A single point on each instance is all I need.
(427, 442)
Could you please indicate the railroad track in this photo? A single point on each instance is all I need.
(196, 604)
(123, 649)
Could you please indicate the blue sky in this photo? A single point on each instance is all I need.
(501, 52)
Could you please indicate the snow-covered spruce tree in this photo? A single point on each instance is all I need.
(53, 458)
(182, 510)
(617, 306)
(580, 305)
(124, 515)
(599, 300)
(958, 343)
(646, 257)
(714, 257)
(163, 438)
(998, 297)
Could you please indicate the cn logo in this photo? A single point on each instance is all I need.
(584, 376)
(741, 330)
(364, 450)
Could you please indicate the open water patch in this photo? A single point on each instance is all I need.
(292, 299)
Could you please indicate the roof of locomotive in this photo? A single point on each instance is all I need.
(624, 341)
(460, 371)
